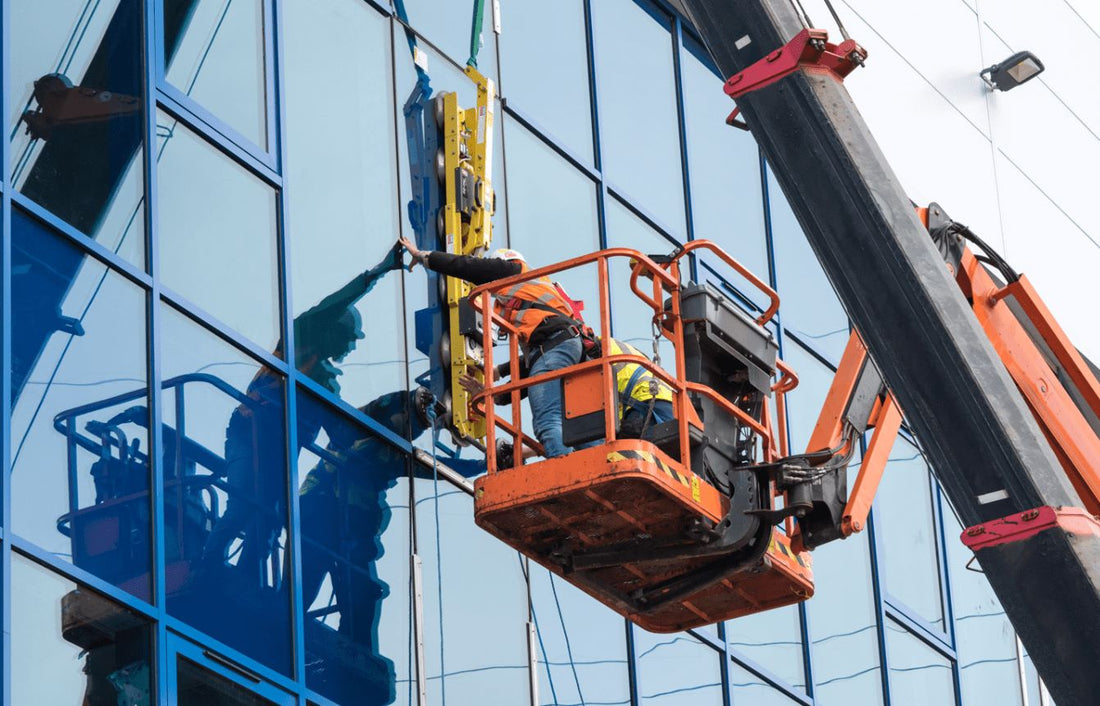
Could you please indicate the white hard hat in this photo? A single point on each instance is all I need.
(507, 254)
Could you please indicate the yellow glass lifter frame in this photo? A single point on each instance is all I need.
(466, 227)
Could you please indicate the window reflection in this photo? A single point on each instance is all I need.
(640, 147)
(906, 531)
(750, 689)
(551, 225)
(196, 686)
(724, 167)
(217, 226)
(342, 202)
(354, 506)
(77, 91)
(810, 308)
(676, 669)
(80, 463)
(772, 639)
(805, 401)
(225, 491)
(984, 638)
(73, 646)
(558, 100)
(842, 616)
(843, 625)
(918, 674)
(582, 644)
(214, 52)
(475, 603)
(631, 317)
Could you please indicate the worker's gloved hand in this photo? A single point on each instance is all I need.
(505, 454)
(471, 384)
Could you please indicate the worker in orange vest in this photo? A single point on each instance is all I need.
(551, 330)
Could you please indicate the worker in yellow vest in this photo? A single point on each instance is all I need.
(643, 399)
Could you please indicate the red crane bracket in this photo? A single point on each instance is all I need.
(1025, 525)
(809, 51)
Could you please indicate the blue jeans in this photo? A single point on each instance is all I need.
(546, 398)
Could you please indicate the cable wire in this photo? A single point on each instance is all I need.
(836, 18)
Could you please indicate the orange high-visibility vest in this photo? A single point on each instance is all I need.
(528, 304)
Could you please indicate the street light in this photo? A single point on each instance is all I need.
(1016, 69)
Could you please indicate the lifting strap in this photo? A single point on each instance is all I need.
(475, 32)
(420, 62)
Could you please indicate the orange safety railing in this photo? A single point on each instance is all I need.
(665, 277)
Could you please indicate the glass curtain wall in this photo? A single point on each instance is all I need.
(221, 485)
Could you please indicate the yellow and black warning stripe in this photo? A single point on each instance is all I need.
(785, 550)
(687, 480)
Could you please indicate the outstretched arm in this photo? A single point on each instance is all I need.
(477, 270)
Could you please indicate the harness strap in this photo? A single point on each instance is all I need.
(628, 391)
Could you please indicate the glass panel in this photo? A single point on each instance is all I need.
(810, 308)
(214, 52)
(353, 494)
(72, 645)
(196, 686)
(805, 401)
(638, 124)
(342, 181)
(772, 639)
(984, 638)
(557, 100)
(475, 639)
(447, 24)
(918, 674)
(631, 317)
(217, 226)
(907, 533)
(549, 226)
(751, 689)
(842, 617)
(582, 645)
(677, 669)
(225, 491)
(1034, 685)
(76, 121)
(727, 201)
(80, 465)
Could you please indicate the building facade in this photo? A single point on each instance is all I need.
(221, 491)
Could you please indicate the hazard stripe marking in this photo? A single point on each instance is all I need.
(631, 455)
(786, 551)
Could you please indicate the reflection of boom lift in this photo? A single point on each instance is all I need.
(61, 103)
(110, 535)
(709, 517)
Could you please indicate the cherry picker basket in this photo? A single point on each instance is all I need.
(673, 530)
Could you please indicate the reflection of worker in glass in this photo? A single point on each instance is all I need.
(344, 514)
(547, 320)
(254, 448)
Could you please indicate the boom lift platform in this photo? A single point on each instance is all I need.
(679, 528)
(709, 517)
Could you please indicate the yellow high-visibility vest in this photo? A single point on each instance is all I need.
(636, 385)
